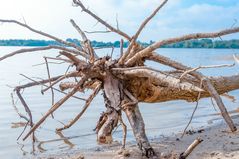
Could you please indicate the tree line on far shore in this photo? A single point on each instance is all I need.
(202, 43)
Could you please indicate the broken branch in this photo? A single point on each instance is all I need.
(190, 149)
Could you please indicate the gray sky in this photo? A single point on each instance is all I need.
(176, 18)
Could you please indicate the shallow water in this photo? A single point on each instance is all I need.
(160, 119)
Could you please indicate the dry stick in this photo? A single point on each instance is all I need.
(92, 32)
(20, 115)
(72, 58)
(88, 84)
(16, 109)
(86, 41)
(65, 140)
(42, 82)
(200, 67)
(88, 101)
(206, 84)
(189, 150)
(112, 51)
(67, 69)
(71, 74)
(54, 58)
(49, 77)
(121, 47)
(124, 131)
(43, 48)
(35, 83)
(23, 130)
(199, 95)
(58, 63)
(42, 33)
(59, 59)
(111, 28)
(148, 50)
(27, 109)
(55, 107)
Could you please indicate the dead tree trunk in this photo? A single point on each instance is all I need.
(127, 80)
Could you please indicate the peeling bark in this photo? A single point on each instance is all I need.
(147, 91)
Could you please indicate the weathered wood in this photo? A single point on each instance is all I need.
(190, 149)
(127, 81)
(137, 123)
(206, 82)
(147, 91)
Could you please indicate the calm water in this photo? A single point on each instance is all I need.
(161, 118)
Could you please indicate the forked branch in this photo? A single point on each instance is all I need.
(110, 27)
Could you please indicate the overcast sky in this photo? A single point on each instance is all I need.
(176, 18)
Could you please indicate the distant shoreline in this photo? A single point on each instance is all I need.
(202, 43)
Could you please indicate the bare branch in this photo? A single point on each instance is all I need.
(87, 85)
(86, 42)
(55, 107)
(121, 47)
(49, 77)
(191, 118)
(148, 19)
(42, 33)
(99, 31)
(42, 82)
(200, 67)
(111, 28)
(17, 111)
(148, 50)
(88, 101)
(72, 58)
(27, 109)
(124, 127)
(71, 74)
(41, 49)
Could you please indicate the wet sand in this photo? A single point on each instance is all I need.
(218, 143)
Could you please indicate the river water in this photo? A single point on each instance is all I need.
(160, 118)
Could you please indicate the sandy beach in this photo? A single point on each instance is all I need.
(218, 143)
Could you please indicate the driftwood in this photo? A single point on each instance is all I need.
(191, 147)
(125, 81)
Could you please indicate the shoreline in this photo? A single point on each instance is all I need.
(218, 143)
